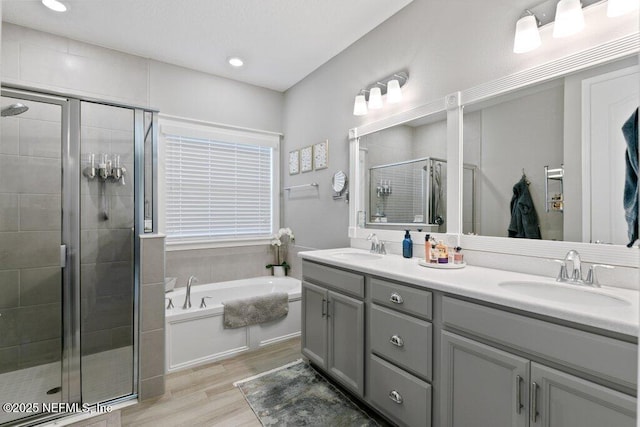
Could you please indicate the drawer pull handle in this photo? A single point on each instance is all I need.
(396, 298)
(397, 341)
(395, 396)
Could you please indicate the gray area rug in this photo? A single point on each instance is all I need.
(296, 395)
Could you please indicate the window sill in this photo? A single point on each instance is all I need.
(187, 245)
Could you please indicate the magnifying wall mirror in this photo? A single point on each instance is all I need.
(339, 184)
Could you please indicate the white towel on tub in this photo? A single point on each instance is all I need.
(253, 310)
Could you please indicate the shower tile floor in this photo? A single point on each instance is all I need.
(107, 375)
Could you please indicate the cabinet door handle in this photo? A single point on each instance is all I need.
(395, 396)
(534, 402)
(519, 404)
(396, 298)
(397, 341)
(324, 313)
(328, 315)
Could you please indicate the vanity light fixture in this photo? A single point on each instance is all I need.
(527, 34)
(360, 105)
(569, 18)
(373, 93)
(55, 5)
(234, 61)
(394, 93)
(375, 98)
(620, 7)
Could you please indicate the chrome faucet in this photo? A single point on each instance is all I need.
(187, 299)
(576, 271)
(374, 242)
(377, 247)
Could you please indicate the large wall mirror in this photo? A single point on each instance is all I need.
(403, 175)
(558, 146)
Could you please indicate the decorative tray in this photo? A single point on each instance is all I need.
(449, 266)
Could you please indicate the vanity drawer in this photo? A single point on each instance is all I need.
(401, 396)
(344, 281)
(404, 340)
(605, 357)
(413, 301)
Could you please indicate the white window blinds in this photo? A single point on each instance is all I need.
(217, 190)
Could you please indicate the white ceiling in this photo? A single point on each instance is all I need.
(281, 41)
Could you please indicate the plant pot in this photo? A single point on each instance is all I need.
(279, 271)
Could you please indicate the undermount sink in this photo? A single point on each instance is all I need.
(356, 256)
(570, 294)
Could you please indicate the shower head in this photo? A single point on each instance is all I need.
(13, 110)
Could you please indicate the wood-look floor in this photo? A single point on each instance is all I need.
(205, 395)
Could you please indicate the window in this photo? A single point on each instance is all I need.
(220, 184)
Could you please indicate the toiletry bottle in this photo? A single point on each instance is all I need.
(458, 257)
(434, 253)
(407, 245)
(427, 248)
(443, 255)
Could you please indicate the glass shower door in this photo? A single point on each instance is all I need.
(107, 251)
(31, 279)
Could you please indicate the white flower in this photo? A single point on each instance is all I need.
(276, 242)
(285, 232)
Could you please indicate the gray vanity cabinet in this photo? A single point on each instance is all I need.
(485, 386)
(314, 324)
(481, 385)
(400, 347)
(333, 323)
(563, 400)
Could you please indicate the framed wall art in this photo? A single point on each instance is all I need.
(306, 159)
(294, 162)
(321, 155)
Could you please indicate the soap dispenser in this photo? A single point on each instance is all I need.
(407, 245)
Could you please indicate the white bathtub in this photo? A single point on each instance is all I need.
(195, 336)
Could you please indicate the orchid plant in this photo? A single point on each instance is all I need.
(280, 243)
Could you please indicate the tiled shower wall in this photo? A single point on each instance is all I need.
(106, 232)
(30, 221)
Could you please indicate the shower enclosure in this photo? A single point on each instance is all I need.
(408, 192)
(73, 192)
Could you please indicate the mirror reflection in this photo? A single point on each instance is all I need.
(551, 158)
(404, 174)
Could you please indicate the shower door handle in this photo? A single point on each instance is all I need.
(63, 256)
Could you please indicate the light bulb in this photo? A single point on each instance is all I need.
(360, 106)
(569, 18)
(375, 98)
(394, 93)
(235, 61)
(55, 5)
(620, 7)
(527, 35)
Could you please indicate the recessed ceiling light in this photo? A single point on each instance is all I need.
(235, 61)
(55, 5)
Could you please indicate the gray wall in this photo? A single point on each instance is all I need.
(446, 45)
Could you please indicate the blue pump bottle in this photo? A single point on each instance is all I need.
(407, 245)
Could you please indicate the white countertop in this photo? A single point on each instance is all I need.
(482, 284)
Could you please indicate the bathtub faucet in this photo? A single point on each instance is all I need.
(187, 299)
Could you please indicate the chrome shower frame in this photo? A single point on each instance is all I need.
(70, 236)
